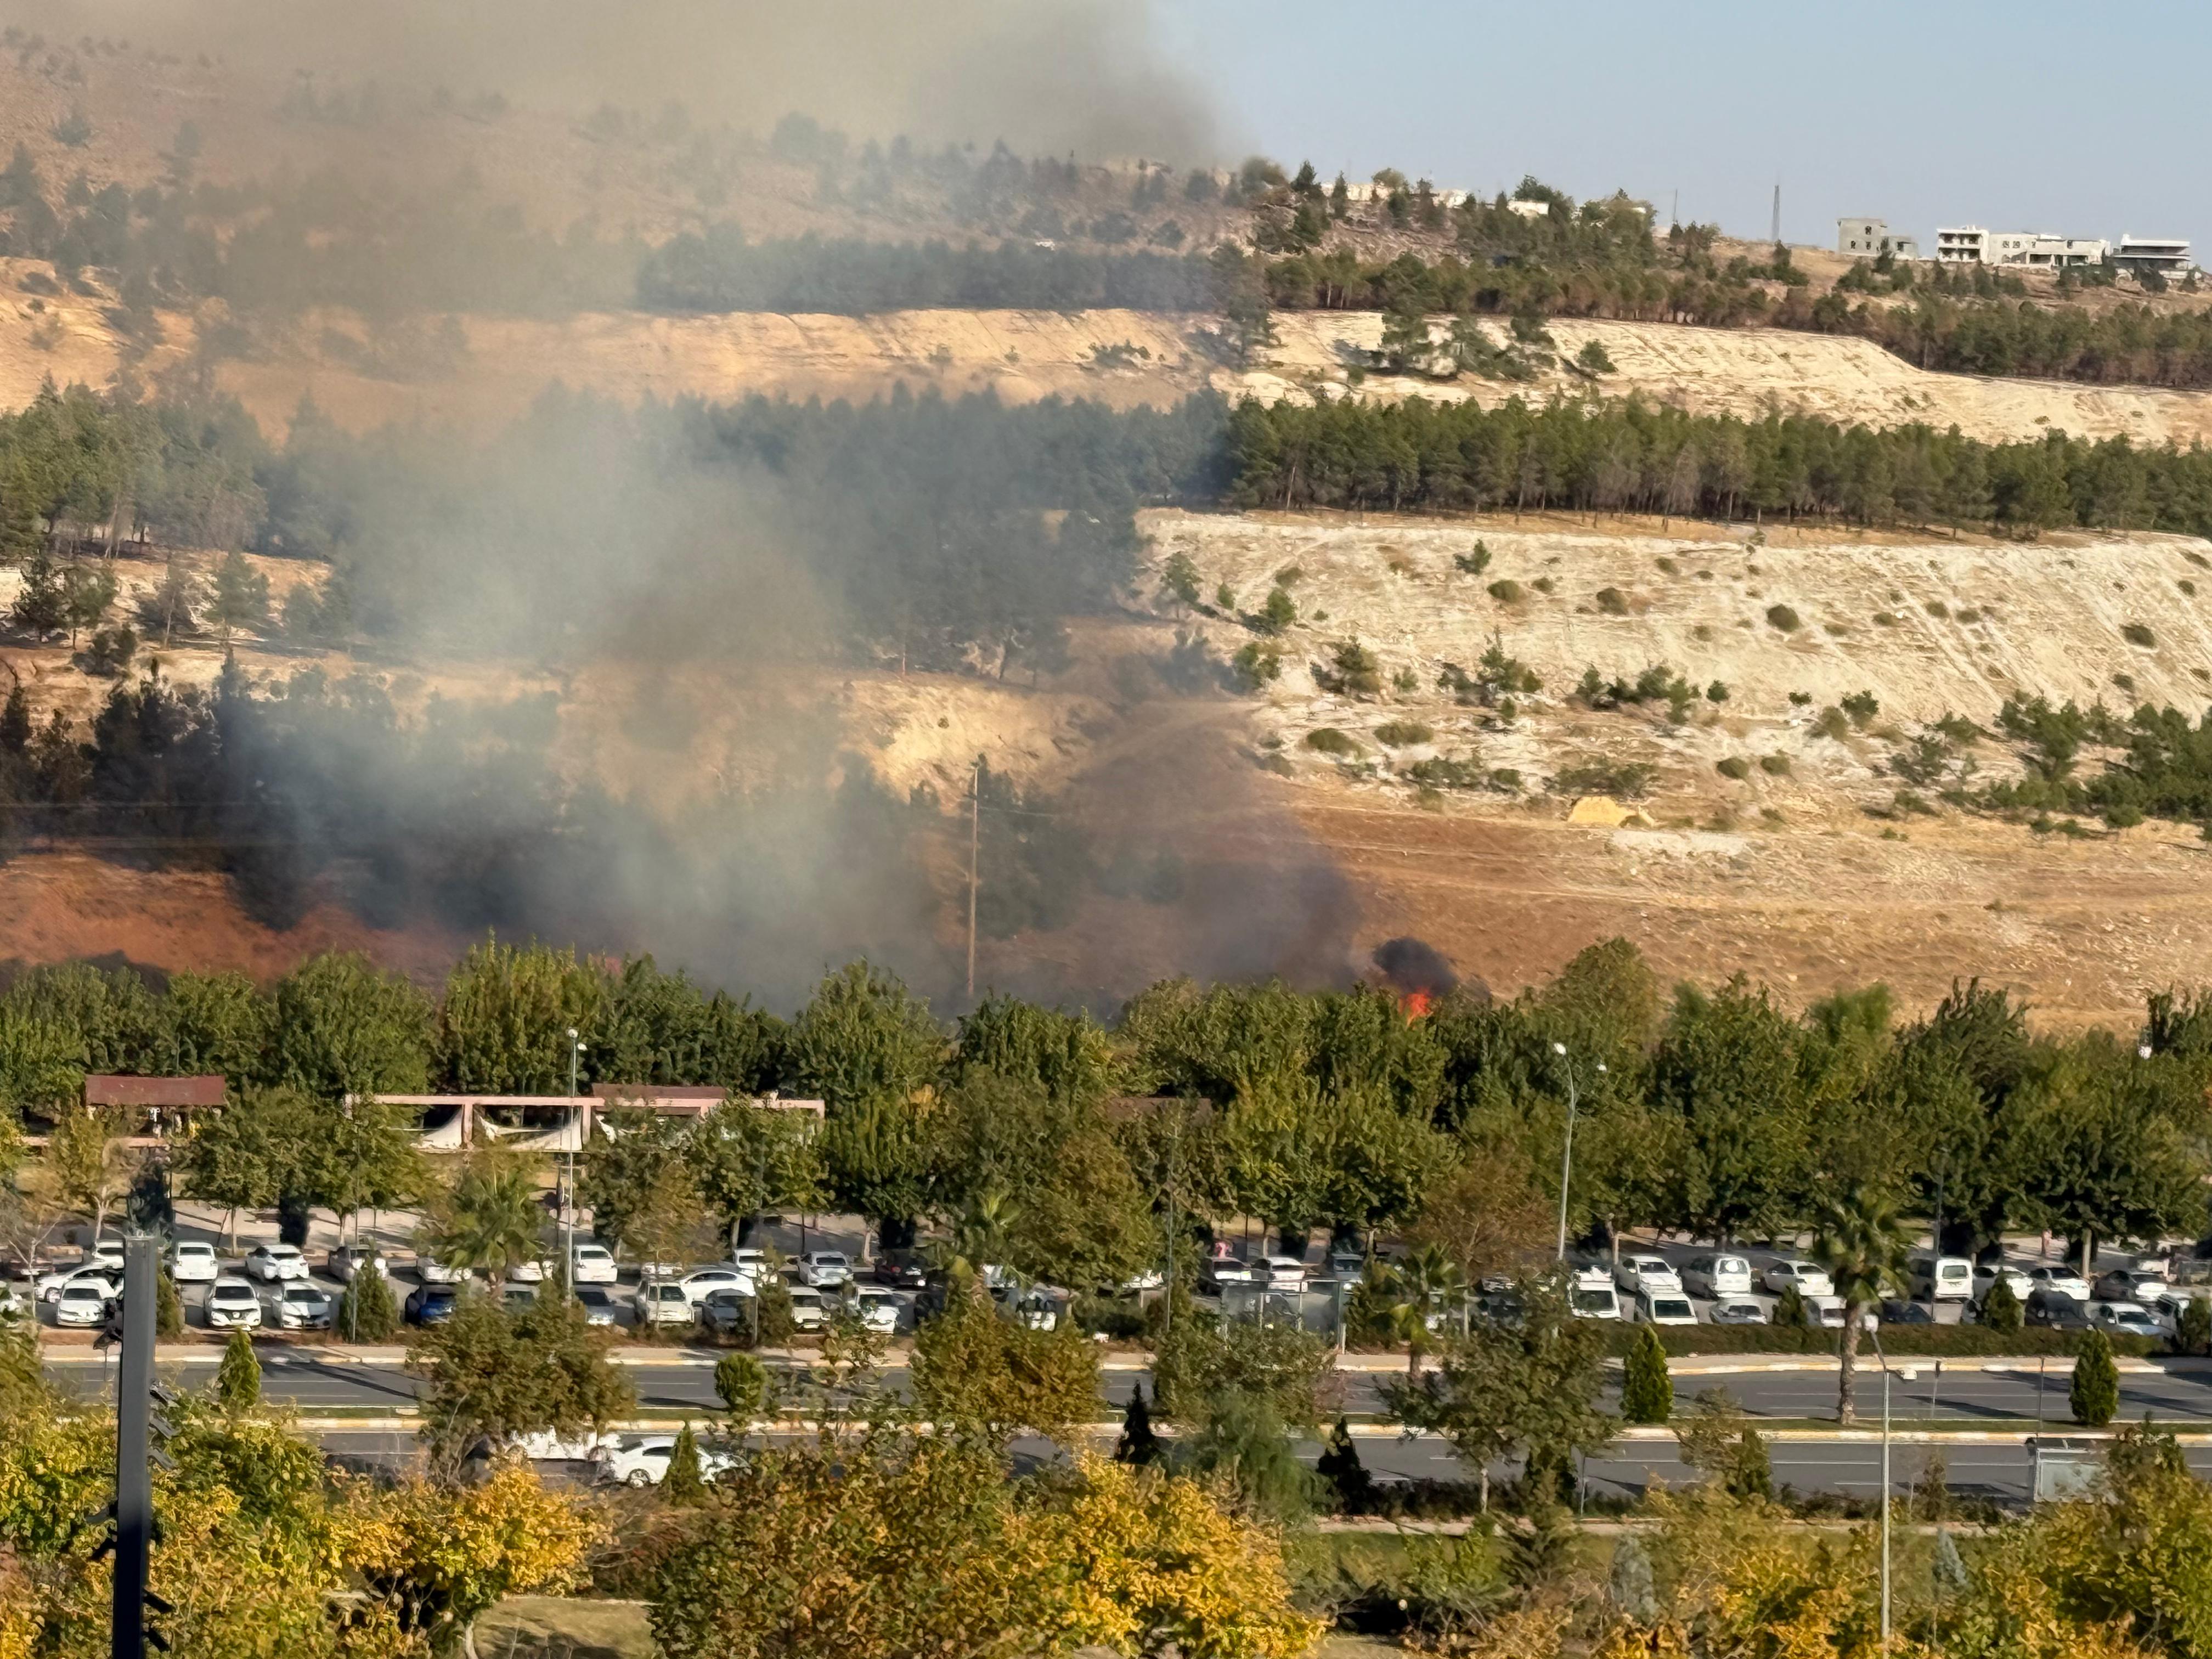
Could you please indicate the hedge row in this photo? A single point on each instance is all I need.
(1682, 1341)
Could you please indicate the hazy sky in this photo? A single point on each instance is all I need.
(2086, 120)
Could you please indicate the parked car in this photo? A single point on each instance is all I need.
(232, 1304)
(300, 1308)
(1737, 1310)
(876, 1309)
(698, 1285)
(1637, 1273)
(1907, 1313)
(1940, 1278)
(2130, 1318)
(1810, 1278)
(110, 1280)
(644, 1462)
(727, 1312)
(548, 1446)
(751, 1264)
(1718, 1276)
(1592, 1296)
(343, 1262)
(1283, 1272)
(1346, 1266)
(2064, 1280)
(1827, 1312)
(598, 1307)
(825, 1270)
(529, 1272)
(2058, 1311)
(663, 1304)
(429, 1304)
(273, 1264)
(1661, 1308)
(2132, 1285)
(1223, 1269)
(191, 1262)
(82, 1302)
(429, 1270)
(592, 1264)
(807, 1311)
(901, 1270)
(2016, 1280)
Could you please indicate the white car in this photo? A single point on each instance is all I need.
(1718, 1276)
(644, 1462)
(752, 1266)
(546, 1446)
(1639, 1273)
(877, 1309)
(2132, 1284)
(1593, 1296)
(807, 1311)
(529, 1272)
(273, 1264)
(598, 1307)
(81, 1302)
(232, 1304)
(297, 1307)
(108, 1252)
(110, 1280)
(592, 1264)
(702, 1283)
(2130, 1319)
(663, 1304)
(1737, 1310)
(825, 1270)
(1285, 1273)
(2015, 1280)
(2063, 1281)
(429, 1270)
(1826, 1311)
(1810, 1278)
(191, 1262)
(343, 1262)
(1662, 1308)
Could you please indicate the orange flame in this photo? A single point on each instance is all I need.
(1415, 1005)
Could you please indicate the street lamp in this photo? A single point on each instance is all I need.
(1909, 1373)
(1567, 1156)
(576, 1046)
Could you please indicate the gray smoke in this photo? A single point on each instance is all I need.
(1047, 76)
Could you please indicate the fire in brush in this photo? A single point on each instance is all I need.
(1417, 971)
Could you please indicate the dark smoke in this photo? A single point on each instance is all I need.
(1410, 964)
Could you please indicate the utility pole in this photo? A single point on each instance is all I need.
(1778, 212)
(568, 1206)
(134, 1426)
(975, 842)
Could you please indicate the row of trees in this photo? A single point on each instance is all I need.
(1627, 456)
(1716, 1114)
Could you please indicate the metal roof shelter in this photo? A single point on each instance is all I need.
(103, 1088)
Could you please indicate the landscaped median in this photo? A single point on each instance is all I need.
(1905, 1341)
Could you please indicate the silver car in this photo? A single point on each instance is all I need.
(297, 1307)
(232, 1305)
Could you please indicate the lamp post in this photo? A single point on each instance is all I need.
(1567, 1156)
(569, 1205)
(1909, 1373)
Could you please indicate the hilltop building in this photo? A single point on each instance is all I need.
(1971, 245)
(2139, 253)
(1869, 239)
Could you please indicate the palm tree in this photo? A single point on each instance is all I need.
(490, 1219)
(1861, 1244)
(1426, 1282)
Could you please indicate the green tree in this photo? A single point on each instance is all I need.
(1244, 1448)
(1196, 1360)
(1647, 1394)
(1725, 1082)
(1341, 1466)
(747, 1160)
(87, 593)
(367, 1311)
(2094, 1394)
(503, 1024)
(1629, 1584)
(864, 1038)
(344, 1027)
(41, 606)
(1179, 580)
(2193, 1330)
(742, 1384)
(241, 596)
(1137, 1445)
(488, 1221)
(168, 1308)
(492, 1374)
(2001, 1308)
(976, 1369)
(238, 1378)
(685, 1485)
(1860, 1241)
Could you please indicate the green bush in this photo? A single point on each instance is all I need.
(1627, 778)
(1933, 1341)
(1613, 602)
(365, 1310)
(1473, 563)
(1735, 766)
(1330, 741)
(1782, 616)
(2095, 1393)
(2137, 633)
(1775, 765)
(1831, 722)
(1647, 1394)
(2001, 1309)
(1506, 592)
(1403, 734)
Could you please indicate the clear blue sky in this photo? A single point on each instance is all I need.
(2085, 119)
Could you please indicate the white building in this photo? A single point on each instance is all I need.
(2158, 253)
(1869, 239)
(1971, 245)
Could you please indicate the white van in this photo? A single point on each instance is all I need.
(1939, 1279)
(1592, 1297)
(1663, 1308)
(1718, 1276)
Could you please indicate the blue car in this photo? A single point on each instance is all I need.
(429, 1304)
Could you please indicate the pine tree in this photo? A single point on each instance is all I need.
(169, 1307)
(16, 721)
(237, 1379)
(2095, 1393)
(242, 596)
(1949, 1571)
(2001, 1308)
(1339, 198)
(367, 1313)
(1628, 1584)
(1138, 1445)
(1340, 1467)
(2192, 1331)
(741, 1383)
(684, 1484)
(1751, 1473)
(1647, 1393)
(39, 606)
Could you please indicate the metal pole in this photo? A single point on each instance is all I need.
(569, 1205)
(974, 811)
(1885, 1500)
(1567, 1157)
(134, 1485)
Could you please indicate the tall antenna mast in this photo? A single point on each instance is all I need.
(1778, 212)
(1675, 210)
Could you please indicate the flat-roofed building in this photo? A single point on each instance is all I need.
(1869, 239)
(2164, 255)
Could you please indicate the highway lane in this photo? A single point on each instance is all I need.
(309, 1383)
